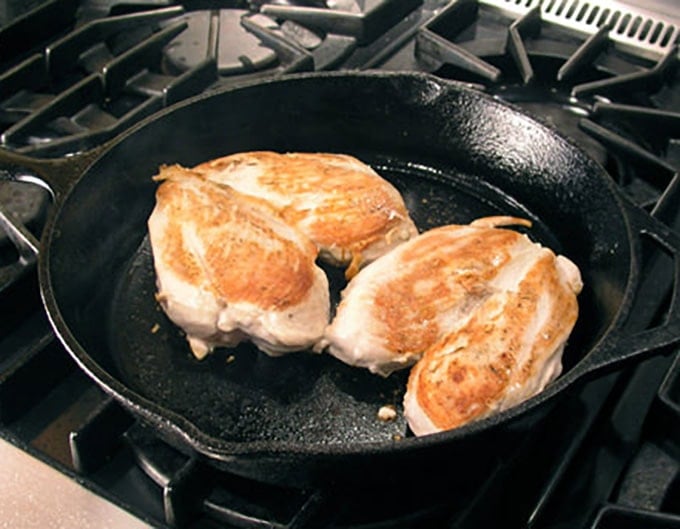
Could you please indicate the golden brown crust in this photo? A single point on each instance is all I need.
(241, 252)
(447, 275)
(335, 199)
(469, 373)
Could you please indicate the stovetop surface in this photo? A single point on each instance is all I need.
(607, 457)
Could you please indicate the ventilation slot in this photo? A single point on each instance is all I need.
(645, 29)
(572, 9)
(624, 24)
(667, 36)
(582, 12)
(603, 17)
(561, 8)
(635, 26)
(656, 33)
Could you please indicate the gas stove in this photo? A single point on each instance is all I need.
(74, 74)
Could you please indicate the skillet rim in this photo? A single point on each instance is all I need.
(179, 426)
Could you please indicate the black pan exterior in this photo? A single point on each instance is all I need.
(454, 153)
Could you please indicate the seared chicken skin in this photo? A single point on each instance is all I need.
(478, 302)
(505, 352)
(229, 268)
(351, 213)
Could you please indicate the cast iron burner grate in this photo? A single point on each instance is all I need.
(93, 69)
(599, 95)
(240, 501)
(90, 82)
(92, 78)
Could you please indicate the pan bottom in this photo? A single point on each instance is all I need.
(240, 394)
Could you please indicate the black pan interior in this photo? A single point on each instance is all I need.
(455, 154)
(240, 394)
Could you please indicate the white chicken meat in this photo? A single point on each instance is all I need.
(229, 268)
(351, 213)
(471, 304)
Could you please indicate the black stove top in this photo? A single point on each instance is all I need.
(608, 456)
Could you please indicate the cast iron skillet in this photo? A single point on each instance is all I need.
(454, 153)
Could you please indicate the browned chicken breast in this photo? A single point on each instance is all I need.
(447, 281)
(351, 213)
(504, 352)
(229, 268)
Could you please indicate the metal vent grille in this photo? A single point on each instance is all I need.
(632, 28)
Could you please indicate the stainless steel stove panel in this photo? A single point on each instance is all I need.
(635, 28)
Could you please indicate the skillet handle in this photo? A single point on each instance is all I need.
(56, 175)
(623, 342)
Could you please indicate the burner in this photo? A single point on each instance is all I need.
(566, 80)
(221, 35)
(553, 104)
(544, 98)
(92, 82)
(228, 498)
(27, 203)
(363, 20)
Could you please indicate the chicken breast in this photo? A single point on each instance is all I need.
(351, 213)
(229, 268)
(404, 303)
(504, 352)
